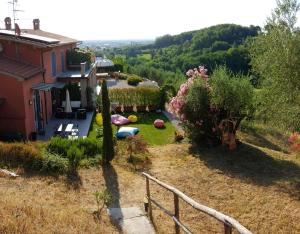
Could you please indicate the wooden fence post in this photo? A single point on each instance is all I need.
(176, 209)
(149, 199)
(227, 229)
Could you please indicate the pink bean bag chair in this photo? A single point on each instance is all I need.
(159, 123)
(119, 120)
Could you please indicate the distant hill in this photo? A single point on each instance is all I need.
(220, 44)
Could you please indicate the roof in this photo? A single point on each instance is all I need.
(103, 62)
(75, 74)
(18, 69)
(60, 38)
(48, 87)
(38, 38)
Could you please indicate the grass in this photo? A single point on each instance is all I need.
(146, 57)
(34, 204)
(151, 134)
(258, 185)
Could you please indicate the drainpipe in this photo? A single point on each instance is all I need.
(46, 111)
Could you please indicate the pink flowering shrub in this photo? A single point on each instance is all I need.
(211, 107)
(294, 141)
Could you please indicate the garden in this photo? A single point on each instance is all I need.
(153, 136)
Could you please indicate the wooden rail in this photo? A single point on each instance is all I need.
(229, 223)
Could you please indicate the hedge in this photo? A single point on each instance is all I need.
(140, 96)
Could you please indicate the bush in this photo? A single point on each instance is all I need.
(134, 80)
(74, 155)
(20, 154)
(294, 141)
(59, 146)
(123, 76)
(212, 109)
(90, 147)
(53, 163)
(99, 119)
(99, 132)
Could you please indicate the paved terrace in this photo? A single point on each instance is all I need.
(83, 126)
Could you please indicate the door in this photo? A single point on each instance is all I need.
(37, 111)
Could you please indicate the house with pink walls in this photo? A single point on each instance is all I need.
(33, 67)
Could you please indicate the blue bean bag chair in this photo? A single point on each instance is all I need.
(127, 131)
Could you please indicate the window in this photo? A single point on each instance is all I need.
(53, 60)
(63, 63)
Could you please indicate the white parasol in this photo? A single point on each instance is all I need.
(68, 108)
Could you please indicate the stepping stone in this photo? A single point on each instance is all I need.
(132, 220)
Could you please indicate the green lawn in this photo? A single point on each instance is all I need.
(151, 134)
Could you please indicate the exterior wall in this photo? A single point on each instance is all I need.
(12, 113)
(17, 114)
(29, 105)
(23, 52)
(48, 61)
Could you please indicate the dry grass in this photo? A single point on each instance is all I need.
(48, 205)
(258, 186)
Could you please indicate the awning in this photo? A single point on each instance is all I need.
(48, 87)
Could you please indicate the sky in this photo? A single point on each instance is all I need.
(134, 19)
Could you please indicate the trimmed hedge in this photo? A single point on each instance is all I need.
(140, 96)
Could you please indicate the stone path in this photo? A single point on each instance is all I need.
(174, 120)
(131, 220)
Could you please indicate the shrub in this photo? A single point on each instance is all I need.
(140, 96)
(53, 163)
(212, 109)
(123, 76)
(20, 154)
(99, 119)
(102, 198)
(134, 80)
(99, 132)
(74, 155)
(59, 146)
(91, 147)
(294, 141)
(136, 145)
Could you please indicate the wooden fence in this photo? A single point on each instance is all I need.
(229, 223)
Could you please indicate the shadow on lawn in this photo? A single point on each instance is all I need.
(259, 138)
(73, 180)
(254, 166)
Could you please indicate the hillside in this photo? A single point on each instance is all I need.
(258, 184)
(217, 45)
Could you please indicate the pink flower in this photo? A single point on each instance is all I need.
(190, 73)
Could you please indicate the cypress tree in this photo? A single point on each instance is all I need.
(108, 145)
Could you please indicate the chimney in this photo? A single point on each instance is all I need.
(7, 21)
(36, 24)
(82, 69)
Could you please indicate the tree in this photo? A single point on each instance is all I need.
(275, 57)
(212, 109)
(108, 145)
